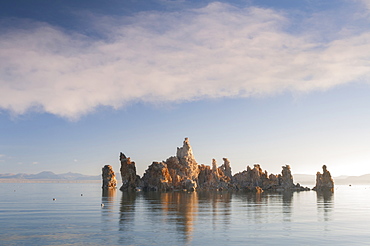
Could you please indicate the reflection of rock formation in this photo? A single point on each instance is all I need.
(107, 201)
(220, 205)
(181, 172)
(324, 181)
(108, 195)
(128, 173)
(175, 209)
(107, 198)
(287, 197)
(109, 177)
(325, 203)
(126, 218)
(184, 206)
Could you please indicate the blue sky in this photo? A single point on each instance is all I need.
(269, 82)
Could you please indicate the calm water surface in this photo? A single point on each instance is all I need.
(30, 216)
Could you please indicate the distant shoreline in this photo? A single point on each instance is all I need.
(47, 181)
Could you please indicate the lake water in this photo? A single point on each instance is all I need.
(30, 216)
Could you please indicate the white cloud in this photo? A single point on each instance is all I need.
(215, 51)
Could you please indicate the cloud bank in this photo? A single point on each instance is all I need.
(211, 52)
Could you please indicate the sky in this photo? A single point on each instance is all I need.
(267, 82)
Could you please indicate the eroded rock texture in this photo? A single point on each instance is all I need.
(109, 177)
(182, 172)
(157, 177)
(176, 173)
(324, 181)
(256, 177)
(286, 178)
(214, 178)
(128, 173)
(226, 168)
(187, 160)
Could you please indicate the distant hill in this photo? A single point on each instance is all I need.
(47, 175)
(304, 179)
(363, 179)
(307, 179)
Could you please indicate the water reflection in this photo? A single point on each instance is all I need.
(174, 208)
(325, 204)
(219, 205)
(182, 216)
(287, 198)
(107, 199)
(107, 203)
(127, 217)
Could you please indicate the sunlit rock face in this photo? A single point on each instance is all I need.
(213, 179)
(128, 173)
(186, 159)
(109, 177)
(324, 181)
(250, 178)
(157, 177)
(181, 172)
(176, 173)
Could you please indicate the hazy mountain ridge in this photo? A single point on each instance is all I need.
(48, 175)
(340, 180)
(299, 178)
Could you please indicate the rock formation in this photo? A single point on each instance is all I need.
(226, 168)
(286, 178)
(214, 178)
(251, 178)
(109, 177)
(176, 173)
(324, 181)
(157, 177)
(182, 172)
(187, 160)
(130, 180)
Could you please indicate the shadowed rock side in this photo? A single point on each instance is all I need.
(324, 181)
(181, 172)
(128, 173)
(109, 177)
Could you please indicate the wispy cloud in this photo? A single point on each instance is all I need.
(215, 51)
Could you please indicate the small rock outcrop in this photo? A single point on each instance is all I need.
(286, 178)
(130, 180)
(109, 177)
(324, 181)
